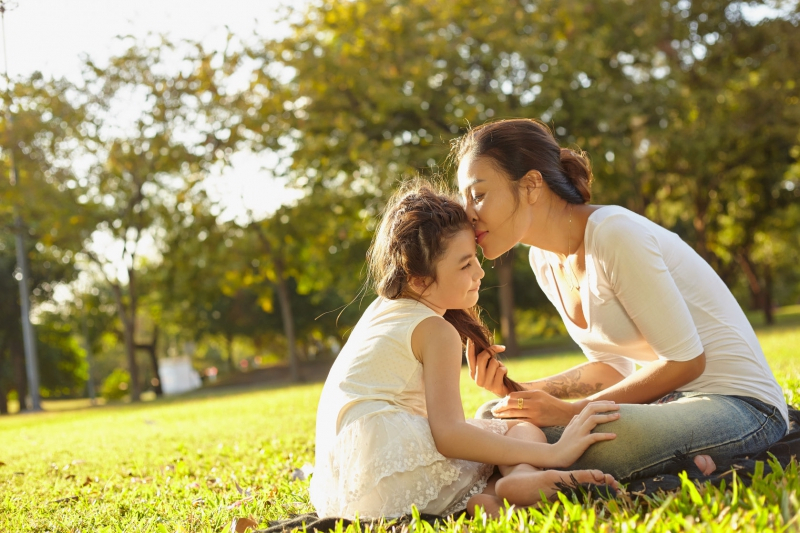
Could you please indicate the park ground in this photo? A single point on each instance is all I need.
(198, 462)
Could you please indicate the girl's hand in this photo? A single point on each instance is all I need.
(487, 371)
(578, 436)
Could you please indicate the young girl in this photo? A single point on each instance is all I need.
(391, 431)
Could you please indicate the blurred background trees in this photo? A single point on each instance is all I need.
(690, 111)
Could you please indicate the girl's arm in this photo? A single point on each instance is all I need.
(437, 344)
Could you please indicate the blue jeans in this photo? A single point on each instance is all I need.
(653, 439)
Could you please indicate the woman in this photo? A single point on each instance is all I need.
(630, 292)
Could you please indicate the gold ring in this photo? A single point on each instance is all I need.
(519, 403)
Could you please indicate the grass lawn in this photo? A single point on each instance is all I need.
(196, 463)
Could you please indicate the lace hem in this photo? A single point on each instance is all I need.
(382, 465)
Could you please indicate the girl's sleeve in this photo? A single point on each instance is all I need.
(634, 264)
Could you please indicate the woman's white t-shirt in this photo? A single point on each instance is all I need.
(649, 296)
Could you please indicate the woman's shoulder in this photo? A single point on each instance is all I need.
(613, 224)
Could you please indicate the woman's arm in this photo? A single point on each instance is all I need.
(649, 383)
(437, 344)
(577, 382)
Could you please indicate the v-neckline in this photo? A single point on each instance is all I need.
(580, 296)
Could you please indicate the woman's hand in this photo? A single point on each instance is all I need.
(578, 436)
(538, 408)
(487, 371)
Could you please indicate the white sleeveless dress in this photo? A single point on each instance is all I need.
(375, 455)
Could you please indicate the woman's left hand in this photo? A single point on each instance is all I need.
(538, 408)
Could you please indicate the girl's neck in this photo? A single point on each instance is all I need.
(424, 301)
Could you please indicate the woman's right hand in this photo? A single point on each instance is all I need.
(578, 436)
(487, 371)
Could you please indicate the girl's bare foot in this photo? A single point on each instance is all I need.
(706, 464)
(524, 487)
(491, 504)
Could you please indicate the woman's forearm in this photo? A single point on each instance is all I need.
(653, 381)
(577, 382)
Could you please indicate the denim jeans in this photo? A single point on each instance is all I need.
(655, 438)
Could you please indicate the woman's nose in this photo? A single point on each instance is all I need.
(472, 215)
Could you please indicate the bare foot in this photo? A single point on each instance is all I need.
(706, 464)
(523, 488)
(491, 504)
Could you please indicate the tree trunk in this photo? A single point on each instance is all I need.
(151, 351)
(288, 322)
(505, 273)
(756, 291)
(229, 346)
(3, 381)
(3, 399)
(769, 317)
(128, 319)
(20, 374)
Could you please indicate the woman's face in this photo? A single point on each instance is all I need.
(498, 216)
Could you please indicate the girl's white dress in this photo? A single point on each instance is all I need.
(375, 455)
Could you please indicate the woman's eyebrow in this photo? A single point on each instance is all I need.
(470, 184)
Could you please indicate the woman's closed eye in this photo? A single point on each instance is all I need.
(477, 198)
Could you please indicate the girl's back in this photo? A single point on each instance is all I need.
(375, 454)
(375, 365)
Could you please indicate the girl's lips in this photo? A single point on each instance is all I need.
(479, 235)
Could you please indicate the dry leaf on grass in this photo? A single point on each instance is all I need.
(240, 525)
(2, 463)
(65, 500)
(239, 503)
(240, 490)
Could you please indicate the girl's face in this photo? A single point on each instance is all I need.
(458, 276)
(499, 222)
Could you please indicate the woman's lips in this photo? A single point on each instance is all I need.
(479, 235)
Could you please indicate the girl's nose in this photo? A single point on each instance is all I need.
(481, 272)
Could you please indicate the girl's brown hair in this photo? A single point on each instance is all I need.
(517, 146)
(417, 223)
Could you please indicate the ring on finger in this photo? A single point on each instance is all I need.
(520, 403)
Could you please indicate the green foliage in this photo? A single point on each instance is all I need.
(116, 386)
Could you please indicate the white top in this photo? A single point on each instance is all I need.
(648, 295)
(376, 363)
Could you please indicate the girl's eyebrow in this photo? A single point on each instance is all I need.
(466, 257)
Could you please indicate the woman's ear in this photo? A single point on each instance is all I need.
(531, 186)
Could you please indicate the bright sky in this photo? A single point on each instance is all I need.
(52, 36)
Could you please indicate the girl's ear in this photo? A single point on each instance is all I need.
(531, 186)
(419, 285)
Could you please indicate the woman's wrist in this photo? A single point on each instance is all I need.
(578, 406)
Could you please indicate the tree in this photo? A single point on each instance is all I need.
(147, 173)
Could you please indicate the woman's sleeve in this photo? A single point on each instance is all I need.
(631, 257)
(623, 365)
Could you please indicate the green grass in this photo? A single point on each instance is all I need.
(173, 465)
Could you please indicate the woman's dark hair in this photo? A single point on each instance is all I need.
(517, 146)
(418, 221)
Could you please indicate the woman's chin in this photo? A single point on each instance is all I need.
(490, 254)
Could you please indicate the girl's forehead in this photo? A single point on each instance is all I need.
(461, 246)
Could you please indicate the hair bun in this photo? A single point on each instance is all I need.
(578, 169)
